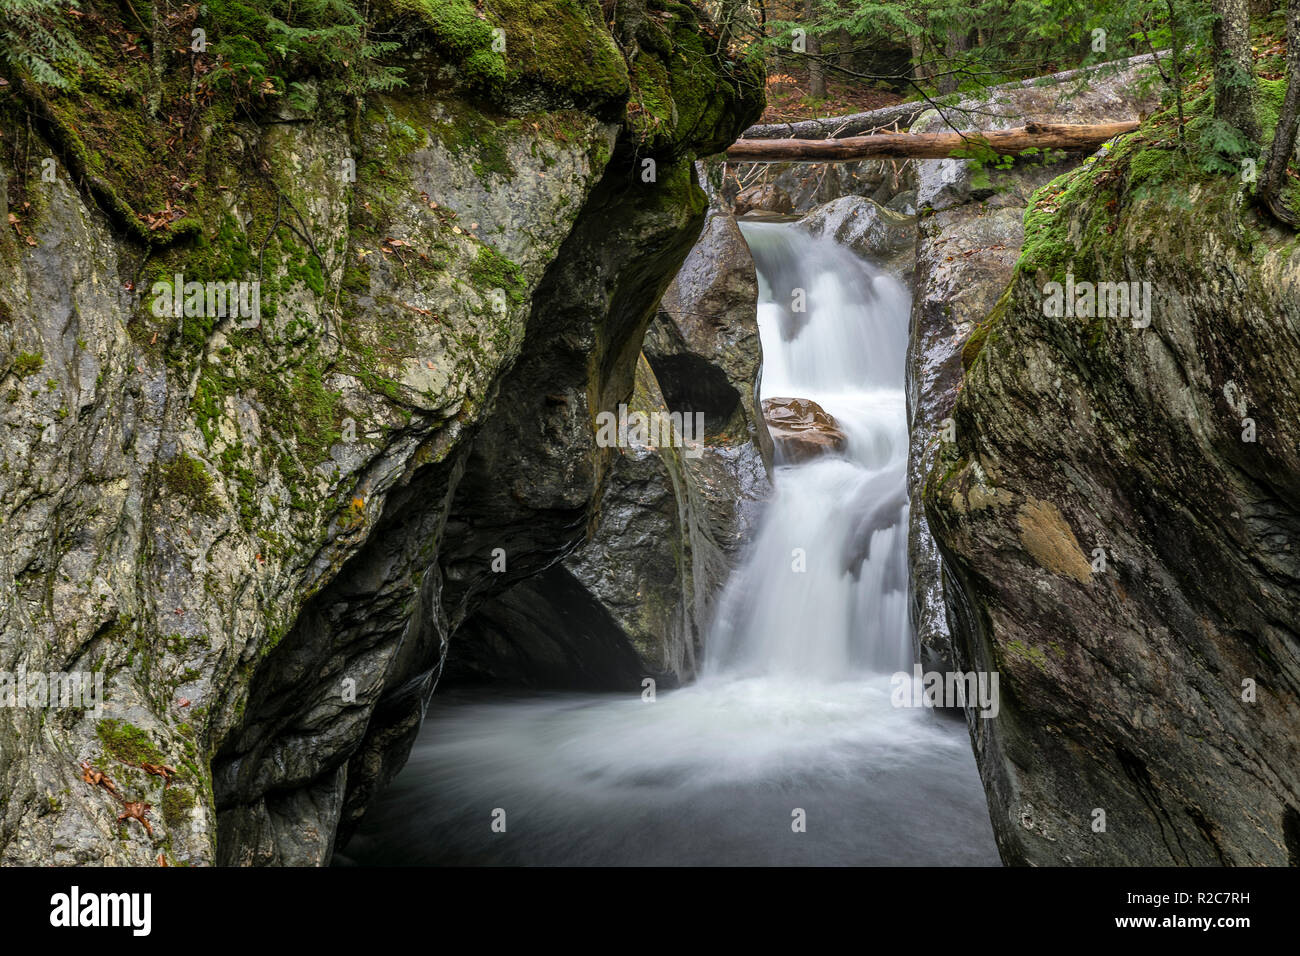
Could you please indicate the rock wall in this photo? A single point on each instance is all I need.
(1117, 519)
(265, 534)
(671, 519)
(970, 232)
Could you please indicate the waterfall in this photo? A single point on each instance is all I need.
(834, 330)
(792, 713)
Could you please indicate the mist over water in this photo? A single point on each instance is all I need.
(792, 709)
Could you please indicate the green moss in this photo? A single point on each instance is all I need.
(479, 138)
(1268, 103)
(27, 363)
(1033, 655)
(186, 478)
(971, 350)
(176, 804)
(127, 743)
(561, 46)
(491, 270)
(685, 96)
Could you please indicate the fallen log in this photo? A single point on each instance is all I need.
(854, 124)
(1003, 142)
(954, 105)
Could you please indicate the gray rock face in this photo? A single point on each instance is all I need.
(873, 232)
(766, 198)
(671, 519)
(970, 233)
(808, 185)
(703, 344)
(1118, 517)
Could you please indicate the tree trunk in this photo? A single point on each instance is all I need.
(816, 77)
(1005, 142)
(903, 114)
(1234, 70)
(958, 43)
(1269, 193)
(918, 57)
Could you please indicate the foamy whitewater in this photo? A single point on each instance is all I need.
(792, 710)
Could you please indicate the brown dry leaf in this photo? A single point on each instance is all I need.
(160, 770)
(97, 779)
(137, 811)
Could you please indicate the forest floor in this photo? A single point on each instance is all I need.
(787, 97)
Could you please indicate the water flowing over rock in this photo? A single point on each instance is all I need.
(672, 517)
(872, 231)
(794, 691)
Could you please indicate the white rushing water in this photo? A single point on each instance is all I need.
(834, 330)
(792, 710)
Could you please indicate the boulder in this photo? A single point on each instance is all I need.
(1117, 515)
(801, 430)
(969, 235)
(767, 198)
(872, 231)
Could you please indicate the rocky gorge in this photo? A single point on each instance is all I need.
(277, 540)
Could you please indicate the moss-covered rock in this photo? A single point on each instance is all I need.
(1115, 519)
(204, 502)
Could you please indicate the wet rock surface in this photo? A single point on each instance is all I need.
(970, 232)
(675, 511)
(801, 429)
(1117, 515)
(266, 537)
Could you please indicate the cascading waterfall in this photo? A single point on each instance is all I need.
(792, 711)
(834, 330)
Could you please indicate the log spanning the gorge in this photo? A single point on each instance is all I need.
(1003, 142)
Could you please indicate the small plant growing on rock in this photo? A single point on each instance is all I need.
(187, 478)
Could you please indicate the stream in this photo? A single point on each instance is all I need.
(791, 720)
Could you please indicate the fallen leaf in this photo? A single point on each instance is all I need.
(137, 811)
(160, 770)
(97, 779)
